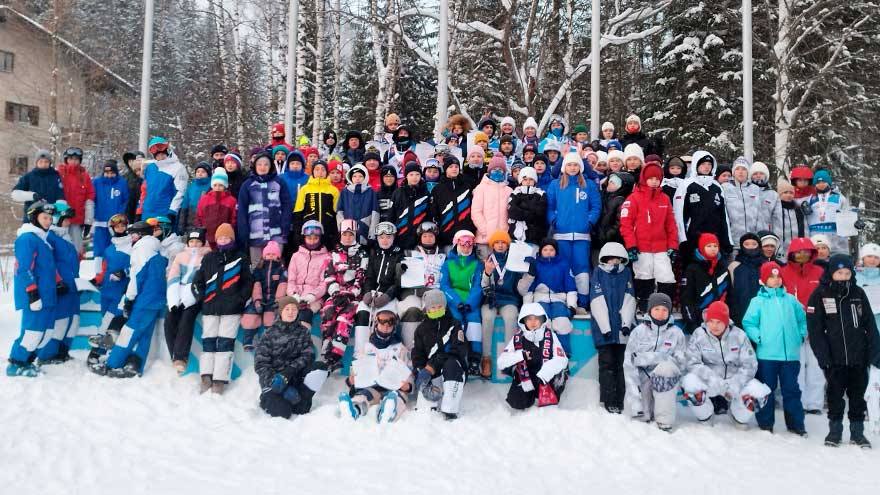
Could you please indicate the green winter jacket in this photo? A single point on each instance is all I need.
(776, 322)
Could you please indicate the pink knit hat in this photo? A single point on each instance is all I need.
(272, 248)
(497, 161)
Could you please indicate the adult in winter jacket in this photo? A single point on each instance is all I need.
(706, 280)
(550, 283)
(633, 135)
(183, 308)
(134, 176)
(721, 368)
(381, 286)
(573, 207)
(617, 188)
(612, 317)
(777, 324)
(285, 364)
(527, 209)
(165, 180)
(653, 363)
(216, 207)
(843, 335)
(745, 276)
(770, 207)
(460, 281)
(451, 202)
(699, 204)
(41, 183)
(223, 284)
(317, 201)
(111, 198)
(329, 144)
(358, 202)
(352, 148)
(198, 186)
(535, 359)
(305, 274)
(792, 222)
(742, 201)
(489, 211)
(277, 137)
(79, 194)
(647, 226)
(410, 206)
(264, 209)
(440, 357)
(822, 210)
(801, 277)
(500, 297)
(385, 194)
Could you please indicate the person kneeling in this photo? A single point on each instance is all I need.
(536, 360)
(285, 364)
(381, 374)
(722, 366)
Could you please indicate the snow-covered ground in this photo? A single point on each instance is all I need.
(71, 432)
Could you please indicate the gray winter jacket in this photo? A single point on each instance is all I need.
(725, 364)
(769, 211)
(743, 208)
(648, 346)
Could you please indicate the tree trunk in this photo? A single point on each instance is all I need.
(376, 39)
(217, 14)
(337, 62)
(782, 131)
(300, 105)
(318, 105)
(236, 69)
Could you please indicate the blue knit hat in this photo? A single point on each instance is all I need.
(220, 177)
(823, 176)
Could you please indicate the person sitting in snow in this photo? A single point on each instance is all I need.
(721, 368)
(535, 359)
(285, 364)
(653, 364)
(384, 353)
(112, 280)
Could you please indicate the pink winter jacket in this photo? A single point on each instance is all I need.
(489, 210)
(305, 275)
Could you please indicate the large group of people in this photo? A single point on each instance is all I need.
(409, 259)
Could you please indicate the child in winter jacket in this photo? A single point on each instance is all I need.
(612, 317)
(633, 160)
(216, 207)
(792, 223)
(223, 284)
(385, 194)
(381, 285)
(389, 379)
(451, 202)
(183, 308)
(197, 187)
(489, 211)
(706, 280)
(337, 173)
(264, 209)
(410, 206)
(573, 207)
(770, 247)
(699, 204)
(500, 297)
(305, 274)
(460, 281)
(270, 283)
(653, 363)
(359, 202)
(285, 364)
(111, 198)
(843, 335)
(777, 324)
(647, 226)
(745, 276)
(113, 280)
(674, 172)
(770, 207)
(822, 209)
(165, 179)
(344, 277)
(66, 315)
(317, 201)
(801, 177)
(550, 283)
(721, 368)
(439, 354)
(869, 276)
(535, 359)
(429, 254)
(527, 209)
(614, 193)
(742, 201)
(294, 177)
(542, 169)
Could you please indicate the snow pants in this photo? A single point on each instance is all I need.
(34, 335)
(612, 386)
(100, 239)
(364, 321)
(307, 386)
(218, 346)
(509, 314)
(658, 394)
(784, 374)
(578, 255)
(411, 314)
(560, 321)
(179, 325)
(451, 377)
(337, 320)
(60, 337)
(472, 324)
(852, 381)
(134, 339)
(811, 379)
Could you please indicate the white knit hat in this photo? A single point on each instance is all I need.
(509, 120)
(759, 167)
(530, 123)
(633, 150)
(634, 118)
(607, 126)
(528, 173)
(573, 157)
(869, 249)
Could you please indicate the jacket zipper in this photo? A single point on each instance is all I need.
(843, 331)
(721, 348)
(784, 344)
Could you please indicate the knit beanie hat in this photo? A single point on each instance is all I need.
(651, 170)
(749, 235)
(740, 162)
(220, 177)
(705, 239)
(497, 162)
(823, 175)
(271, 248)
(528, 173)
(412, 167)
(820, 239)
(43, 154)
(653, 159)
(718, 311)
(759, 167)
(499, 236)
(607, 126)
(225, 230)
(659, 299)
(766, 237)
(480, 137)
(284, 301)
(433, 297)
(573, 157)
(769, 269)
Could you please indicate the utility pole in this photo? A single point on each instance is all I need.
(748, 142)
(596, 37)
(292, 40)
(443, 70)
(146, 74)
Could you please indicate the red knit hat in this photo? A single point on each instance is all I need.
(768, 269)
(705, 239)
(651, 170)
(718, 311)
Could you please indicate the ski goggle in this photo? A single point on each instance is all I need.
(441, 149)
(386, 321)
(73, 152)
(432, 163)
(117, 219)
(158, 148)
(312, 231)
(386, 228)
(466, 241)
(428, 227)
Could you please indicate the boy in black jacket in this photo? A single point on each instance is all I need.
(285, 364)
(843, 336)
(440, 351)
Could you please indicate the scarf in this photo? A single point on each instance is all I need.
(522, 367)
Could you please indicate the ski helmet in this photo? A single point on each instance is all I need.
(62, 211)
(143, 228)
(197, 233)
(37, 207)
(312, 227)
(165, 223)
(386, 228)
(117, 219)
(73, 151)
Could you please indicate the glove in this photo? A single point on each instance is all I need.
(117, 276)
(423, 379)
(381, 299)
(673, 255)
(127, 306)
(806, 208)
(291, 394)
(94, 281)
(37, 196)
(626, 331)
(258, 306)
(633, 253)
(308, 298)
(34, 300)
(464, 308)
(279, 383)
(402, 267)
(87, 229)
(61, 288)
(368, 298)
(859, 224)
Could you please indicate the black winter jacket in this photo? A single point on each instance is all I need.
(285, 348)
(528, 205)
(410, 207)
(700, 289)
(223, 283)
(432, 333)
(451, 207)
(841, 326)
(382, 271)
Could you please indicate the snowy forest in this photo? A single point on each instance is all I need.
(219, 70)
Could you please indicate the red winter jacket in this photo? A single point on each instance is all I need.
(214, 209)
(801, 280)
(77, 190)
(647, 221)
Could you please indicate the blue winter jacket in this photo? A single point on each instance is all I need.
(67, 267)
(545, 179)
(776, 321)
(359, 202)
(476, 292)
(505, 289)
(555, 273)
(117, 258)
(44, 181)
(575, 209)
(165, 185)
(746, 281)
(194, 192)
(31, 245)
(611, 297)
(294, 180)
(111, 197)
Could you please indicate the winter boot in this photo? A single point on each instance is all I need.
(857, 434)
(668, 289)
(388, 408)
(207, 382)
(131, 369)
(94, 356)
(218, 387)
(248, 342)
(17, 368)
(474, 360)
(61, 357)
(486, 367)
(349, 408)
(835, 433)
(179, 366)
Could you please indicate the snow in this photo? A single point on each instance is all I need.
(71, 432)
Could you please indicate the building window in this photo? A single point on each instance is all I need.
(27, 114)
(18, 165)
(7, 61)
